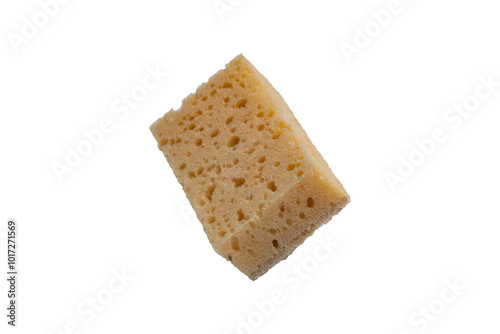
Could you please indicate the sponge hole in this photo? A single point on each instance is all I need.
(233, 141)
(241, 103)
(238, 182)
(272, 186)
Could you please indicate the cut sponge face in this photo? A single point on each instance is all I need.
(256, 182)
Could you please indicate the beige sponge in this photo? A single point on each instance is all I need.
(256, 182)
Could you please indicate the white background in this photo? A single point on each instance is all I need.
(121, 208)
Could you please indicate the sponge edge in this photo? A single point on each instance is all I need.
(255, 180)
(296, 202)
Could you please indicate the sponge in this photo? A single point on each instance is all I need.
(255, 180)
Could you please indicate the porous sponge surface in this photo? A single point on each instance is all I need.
(256, 182)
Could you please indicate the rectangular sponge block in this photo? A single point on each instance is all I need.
(256, 182)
